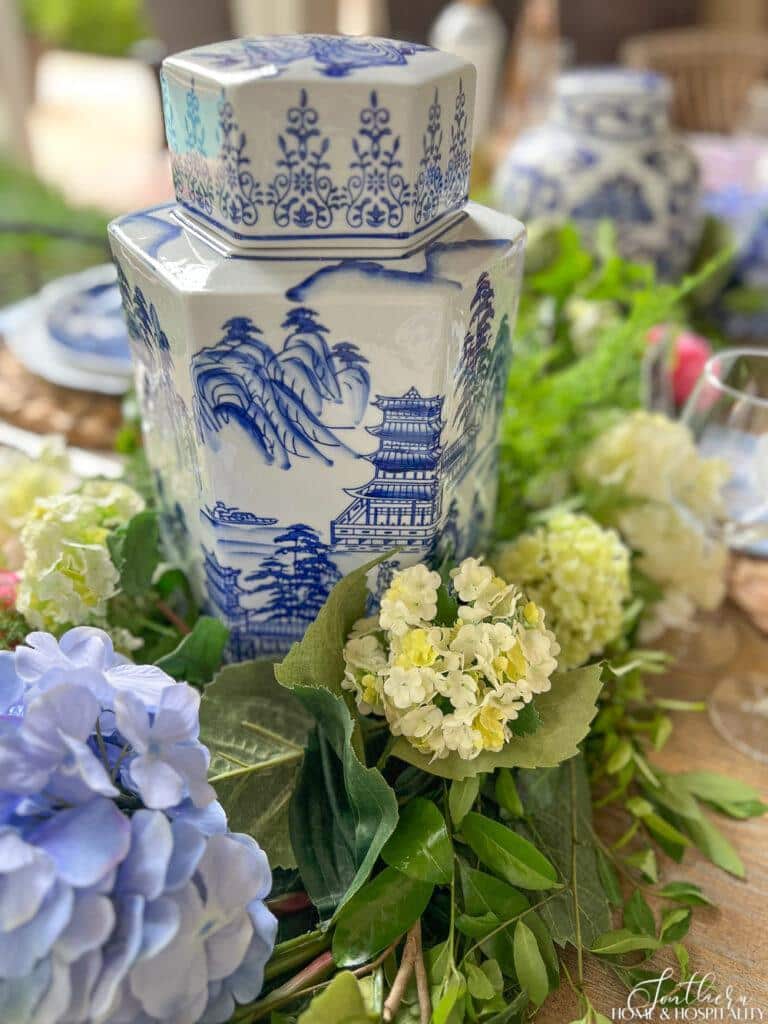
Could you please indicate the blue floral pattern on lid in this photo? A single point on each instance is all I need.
(334, 56)
(367, 159)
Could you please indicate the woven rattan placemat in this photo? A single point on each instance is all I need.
(85, 419)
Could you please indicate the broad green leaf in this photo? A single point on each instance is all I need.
(342, 1002)
(528, 721)
(566, 711)
(198, 655)
(558, 807)
(685, 892)
(623, 941)
(509, 855)
(507, 795)
(256, 732)
(675, 923)
(336, 786)
(461, 796)
(638, 916)
(380, 912)
(477, 927)
(715, 846)
(317, 659)
(420, 846)
(135, 552)
(529, 965)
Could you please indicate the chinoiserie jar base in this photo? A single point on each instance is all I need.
(304, 414)
(607, 153)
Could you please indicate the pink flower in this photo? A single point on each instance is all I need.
(9, 582)
(689, 353)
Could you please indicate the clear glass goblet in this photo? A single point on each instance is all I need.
(728, 415)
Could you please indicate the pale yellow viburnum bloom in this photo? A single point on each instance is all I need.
(452, 688)
(675, 523)
(579, 573)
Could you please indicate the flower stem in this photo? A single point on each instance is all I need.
(173, 618)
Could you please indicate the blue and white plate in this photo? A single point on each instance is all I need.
(84, 320)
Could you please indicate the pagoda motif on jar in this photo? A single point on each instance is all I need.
(607, 152)
(321, 323)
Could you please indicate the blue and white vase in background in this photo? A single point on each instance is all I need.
(607, 152)
(321, 323)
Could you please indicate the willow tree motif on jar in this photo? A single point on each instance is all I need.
(291, 401)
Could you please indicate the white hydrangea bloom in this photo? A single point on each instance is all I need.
(451, 687)
(68, 575)
(674, 611)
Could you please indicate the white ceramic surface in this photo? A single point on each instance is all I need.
(334, 141)
(305, 410)
(607, 152)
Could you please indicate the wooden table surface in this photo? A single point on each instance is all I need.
(732, 940)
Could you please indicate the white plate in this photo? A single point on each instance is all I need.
(27, 338)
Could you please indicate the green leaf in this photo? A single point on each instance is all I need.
(645, 862)
(485, 894)
(509, 855)
(317, 659)
(529, 965)
(638, 916)
(447, 607)
(528, 721)
(558, 807)
(478, 983)
(492, 902)
(256, 732)
(715, 846)
(199, 654)
(623, 941)
(420, 846)
(135, 552)
(675, 923)
(335, 787)
(609, 879)
(342, 1002)
(450, 1002)
(380, 912)
(461, 796)
(506, 794)
(723, 793)
(566, 711)
(685, 892)
(620, 757)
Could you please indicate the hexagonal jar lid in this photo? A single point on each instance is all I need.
(319, 141)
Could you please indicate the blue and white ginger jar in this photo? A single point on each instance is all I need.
(607, 152)
(321, 323)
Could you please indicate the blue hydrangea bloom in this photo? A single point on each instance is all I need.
(123, 897)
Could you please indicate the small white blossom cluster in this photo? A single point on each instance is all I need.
(451, 687)
(674, 523)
